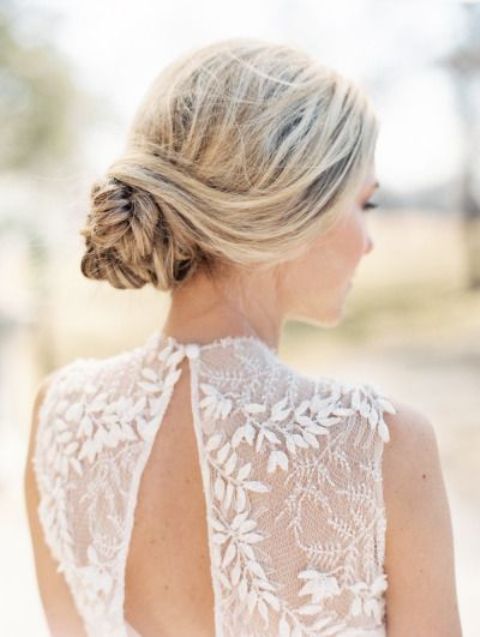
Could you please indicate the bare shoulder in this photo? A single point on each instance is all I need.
(412, 452)
(419, 560)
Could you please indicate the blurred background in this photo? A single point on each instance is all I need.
(72, 74)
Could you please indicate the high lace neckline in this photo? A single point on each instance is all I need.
(220, 341)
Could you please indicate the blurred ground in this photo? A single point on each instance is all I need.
(408, 326)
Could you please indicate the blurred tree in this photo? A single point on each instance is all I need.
(40, 112)
(37, 92)
(463, 64)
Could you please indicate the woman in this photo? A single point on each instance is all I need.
(196, 485)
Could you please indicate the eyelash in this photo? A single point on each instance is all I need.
(370, 205)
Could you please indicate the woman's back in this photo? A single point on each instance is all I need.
(291, 470)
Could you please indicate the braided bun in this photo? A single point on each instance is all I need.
(128, 242)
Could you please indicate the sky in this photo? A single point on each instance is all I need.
(116, 48)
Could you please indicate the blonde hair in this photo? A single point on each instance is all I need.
(240, 152)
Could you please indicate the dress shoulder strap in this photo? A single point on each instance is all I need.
(293, 483)
(97, 424)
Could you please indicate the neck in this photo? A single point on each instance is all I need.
(204, 309)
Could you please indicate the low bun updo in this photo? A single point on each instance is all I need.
(238, 154)
(128, 240)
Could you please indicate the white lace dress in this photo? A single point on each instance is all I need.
(291, 473)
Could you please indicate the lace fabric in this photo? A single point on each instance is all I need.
(291, 474)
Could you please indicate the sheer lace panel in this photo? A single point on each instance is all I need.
(291, 471)
(293, 484)
(96, 428)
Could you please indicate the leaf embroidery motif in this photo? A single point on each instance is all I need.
(272, 434)
(277, 459)
(367, 597)
(319, 585)
(214, 404)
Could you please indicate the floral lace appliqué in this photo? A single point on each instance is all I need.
(291, 471)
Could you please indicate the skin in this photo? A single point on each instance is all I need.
(311, 288)
(166, 596)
